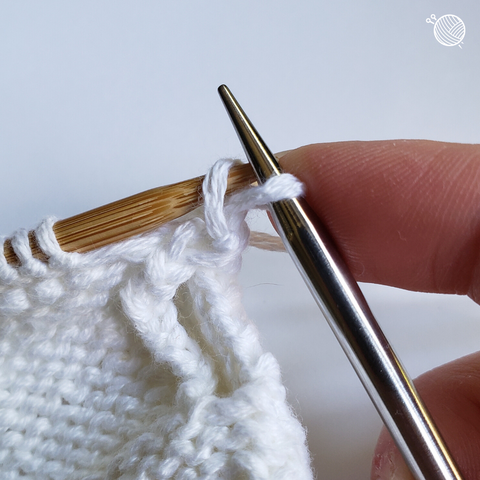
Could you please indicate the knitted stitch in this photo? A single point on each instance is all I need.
(137, 361)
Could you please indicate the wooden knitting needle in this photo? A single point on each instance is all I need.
(131, 216)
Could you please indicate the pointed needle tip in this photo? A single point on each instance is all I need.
(224, 92)
(258, 154)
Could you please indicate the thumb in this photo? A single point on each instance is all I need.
(452, 395)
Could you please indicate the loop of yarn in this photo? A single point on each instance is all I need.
(137, 361)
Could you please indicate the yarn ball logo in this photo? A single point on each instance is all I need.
(449, 30)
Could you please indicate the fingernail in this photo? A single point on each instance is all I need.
(281, 154)
(390, 465)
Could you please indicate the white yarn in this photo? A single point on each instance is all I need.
(137, 361)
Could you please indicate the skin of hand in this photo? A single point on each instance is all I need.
(406, 213)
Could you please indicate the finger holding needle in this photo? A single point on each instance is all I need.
(406, 213)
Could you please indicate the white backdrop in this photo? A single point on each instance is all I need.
(104, 99)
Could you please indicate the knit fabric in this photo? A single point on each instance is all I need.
(137, 361)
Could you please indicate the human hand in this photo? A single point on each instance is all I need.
(406, 213)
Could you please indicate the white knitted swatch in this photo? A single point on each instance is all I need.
(137, 361)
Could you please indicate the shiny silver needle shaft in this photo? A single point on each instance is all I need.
(349, 315)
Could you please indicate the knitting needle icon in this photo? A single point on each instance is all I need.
(449, 30)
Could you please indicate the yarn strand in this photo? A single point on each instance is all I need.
(137, 361)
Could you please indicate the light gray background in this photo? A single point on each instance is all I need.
(103, 99)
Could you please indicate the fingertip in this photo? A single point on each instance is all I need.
(451, 393)
(402, 212)
(388, 463)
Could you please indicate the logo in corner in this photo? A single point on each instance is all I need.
(449, 30)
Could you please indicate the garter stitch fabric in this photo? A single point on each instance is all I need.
(137, 361)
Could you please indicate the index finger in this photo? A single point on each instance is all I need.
(404, 213)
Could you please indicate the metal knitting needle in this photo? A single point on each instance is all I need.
(346, 310)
